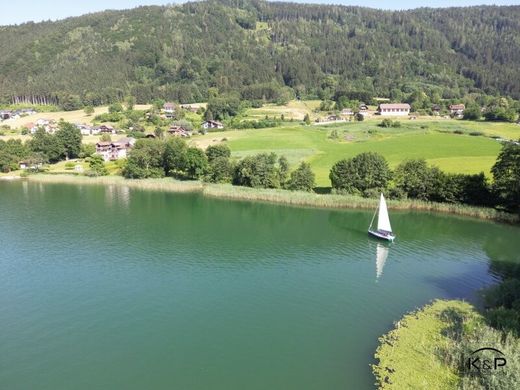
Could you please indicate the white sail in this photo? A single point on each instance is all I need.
(383, 221)
(381, 255)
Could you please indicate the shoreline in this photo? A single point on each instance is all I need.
(277, 196)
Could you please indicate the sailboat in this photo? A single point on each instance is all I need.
(384, 229)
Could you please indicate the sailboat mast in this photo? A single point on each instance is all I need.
(372, 221)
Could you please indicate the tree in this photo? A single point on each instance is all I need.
(89, 110)
(472, 112)
(258, 171)
(115, 107)
(87, 150)
(302, 179)
(145, 160)
(196, 163)
(174, 156)
(223, 107)
(159, 132)
(307, 119)
(208, 115)
(220, 170)
(48, 145)
(219, 150)
(283, 169)
(414, 179)
(130, 102)
(70, 137)
(11, 153)
(506, 176)
(105, 137)
(366, 174)
(97, 166)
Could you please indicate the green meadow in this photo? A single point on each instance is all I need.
(433, 140)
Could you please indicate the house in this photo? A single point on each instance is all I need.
(169, 110)
(114, 150)
(121, 147)
(212, 125)
(5, 115)
(50, 126)
(363, 107)
(28, 165)
(105, 129)
(150, 135)
(436, 109)
(84, 129)
(457, 110)
(394, 109)
(347, 112)
(179, 131)
(333, 118)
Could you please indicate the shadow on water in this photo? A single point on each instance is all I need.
(502, 309)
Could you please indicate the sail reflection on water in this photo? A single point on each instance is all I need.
(381, 255)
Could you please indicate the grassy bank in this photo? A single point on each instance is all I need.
(428, 350)
(304, 199)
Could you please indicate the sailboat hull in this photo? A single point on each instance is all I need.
(381, 234)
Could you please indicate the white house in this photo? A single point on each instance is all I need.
(212, 125)
(84, 129)
(169, 110)
(49, 125)
(457, 110)
(394, 109)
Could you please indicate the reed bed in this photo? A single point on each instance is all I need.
(164, 184)
(291, 198)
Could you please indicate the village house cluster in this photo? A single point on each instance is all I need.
(388, 109)
(8, 114)
(114, 150)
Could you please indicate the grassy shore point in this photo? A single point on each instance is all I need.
(291, 198)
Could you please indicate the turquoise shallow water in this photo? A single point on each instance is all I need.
(112, 288)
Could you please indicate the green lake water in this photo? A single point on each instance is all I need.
(112, 288)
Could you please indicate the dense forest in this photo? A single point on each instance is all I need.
(260, 50)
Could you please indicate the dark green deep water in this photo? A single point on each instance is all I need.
(111, 288)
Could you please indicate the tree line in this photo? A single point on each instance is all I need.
(154, 158)
(368, 174)
(43, 147)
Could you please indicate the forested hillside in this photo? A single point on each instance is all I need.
(262, 50)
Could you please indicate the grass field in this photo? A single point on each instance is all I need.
(295, 109)
(77, 116)
(432, 140)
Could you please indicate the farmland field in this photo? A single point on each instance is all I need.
(428, 139)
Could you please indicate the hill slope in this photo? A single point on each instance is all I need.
(254, 48)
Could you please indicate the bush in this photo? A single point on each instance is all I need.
(389, 123)
(97, 166)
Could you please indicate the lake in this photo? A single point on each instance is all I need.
(115, 288)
